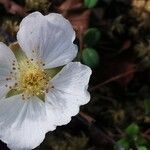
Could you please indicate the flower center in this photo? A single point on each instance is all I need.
(33, 80)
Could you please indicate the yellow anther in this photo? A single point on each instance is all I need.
(33, 79)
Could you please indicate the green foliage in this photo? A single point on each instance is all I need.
(122, 144)
(132, 139)
(140, 140)
(147, 106)
(92, 36)
(132, 129)
(142, 148)
(90, 57)
(90, 3)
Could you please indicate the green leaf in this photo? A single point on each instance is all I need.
(92, 36)
(142, 148)
(141, 140)
(90, 3)
(90, 57)
(132, 129)
(122, 143)
(147, 106)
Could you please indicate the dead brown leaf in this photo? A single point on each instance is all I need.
(75, 12)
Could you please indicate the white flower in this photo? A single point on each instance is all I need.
(41, 102)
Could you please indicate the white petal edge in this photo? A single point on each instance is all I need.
(69, 92)
(7, 58)
(23, 124)
(51, 42)
(61, 22)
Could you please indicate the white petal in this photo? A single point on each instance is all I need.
(69, 92)
(73, 79)
(23, 123)
(6, 60)
(48, 37)
(61, 105)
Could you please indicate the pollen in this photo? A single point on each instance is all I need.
(33, 80)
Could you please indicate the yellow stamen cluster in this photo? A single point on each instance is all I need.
(33, 80)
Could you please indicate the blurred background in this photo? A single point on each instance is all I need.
(113, 37)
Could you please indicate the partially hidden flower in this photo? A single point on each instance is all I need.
(32, 100)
